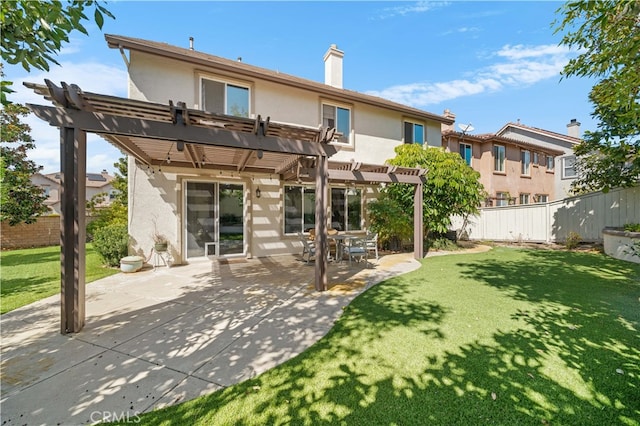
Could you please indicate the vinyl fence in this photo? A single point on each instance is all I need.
(550, 222)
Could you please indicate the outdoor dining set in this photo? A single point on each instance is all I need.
(342, 245)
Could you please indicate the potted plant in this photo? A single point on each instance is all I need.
(160, 242)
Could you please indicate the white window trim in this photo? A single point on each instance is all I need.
(414, 122)
(564, 168)
(522, 163)
(226, 81)
(504, 161)
(349, 107)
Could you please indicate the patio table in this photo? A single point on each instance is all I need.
(341, 240)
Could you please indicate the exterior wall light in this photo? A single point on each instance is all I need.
(258, 193)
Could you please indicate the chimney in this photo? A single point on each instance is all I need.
(333, 67)
(448, 127)
(190, 43)
(573, 128)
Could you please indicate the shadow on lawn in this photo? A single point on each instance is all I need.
(573, 358)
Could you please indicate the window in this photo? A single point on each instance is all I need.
(569, 167)
(225, 98)
(413, 133)
(525, 162)
(299, 209)
(536, 159)
(498, 158)
(541, 198)
(340, 118)
(502, 199)
(46, 190)
(524, 198)
(550, 163)
(465, 152)
(346, 209)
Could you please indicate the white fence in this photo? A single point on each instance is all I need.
(586, 215)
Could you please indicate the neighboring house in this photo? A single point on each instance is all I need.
(211, 203)
(518, 164)
(96, 183)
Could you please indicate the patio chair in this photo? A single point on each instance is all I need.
(372, 243)
(308, 247)
(356, 249)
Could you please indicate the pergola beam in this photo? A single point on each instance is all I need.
(360, 176)
(211, 136)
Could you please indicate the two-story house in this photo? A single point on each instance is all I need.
(518, 164)
(206, 202)
(96, 183)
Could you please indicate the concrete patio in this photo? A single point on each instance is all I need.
(159, 337)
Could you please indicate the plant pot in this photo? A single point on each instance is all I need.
(130, 264)
(618, 243)
(160, 247)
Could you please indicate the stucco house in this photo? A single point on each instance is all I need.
(96, 183)
(211, 202)
(518, 164)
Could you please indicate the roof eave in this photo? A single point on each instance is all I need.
(119, 42)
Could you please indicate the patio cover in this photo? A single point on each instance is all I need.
(158, 134)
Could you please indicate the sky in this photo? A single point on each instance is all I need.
(490, 63)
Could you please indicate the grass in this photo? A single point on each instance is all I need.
(29, 275)
(510, 336)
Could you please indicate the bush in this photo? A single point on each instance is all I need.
(112, 243)
(632, 227)
(441, 243)
(573, 239)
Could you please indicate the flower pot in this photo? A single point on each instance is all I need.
(130, 264)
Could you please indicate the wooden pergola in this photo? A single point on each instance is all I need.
(155, 134)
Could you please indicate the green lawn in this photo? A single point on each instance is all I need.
(509, 337)
(33, 274)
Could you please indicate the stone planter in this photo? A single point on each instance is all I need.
(618, 242)
(131, 264)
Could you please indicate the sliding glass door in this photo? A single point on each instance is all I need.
(214, 219)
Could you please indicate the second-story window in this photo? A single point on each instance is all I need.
(225, 98)
(413, 133)
(569, 167)
(525, 162)
(466, 153)
(338, 117)
(498, 158)
(550, 163)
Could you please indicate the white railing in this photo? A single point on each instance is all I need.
(585, 215)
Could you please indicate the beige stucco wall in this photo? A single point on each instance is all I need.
(156, 199)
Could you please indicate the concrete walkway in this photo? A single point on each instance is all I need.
(159, 337)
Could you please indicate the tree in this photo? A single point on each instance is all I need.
(20, 201)
(34, 31)
(451, 188)
(607, 33)
(116, 213)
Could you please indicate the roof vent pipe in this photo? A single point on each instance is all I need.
(190, 43)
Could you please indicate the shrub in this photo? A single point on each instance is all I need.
(441, 243)
(632, 227)
(572, 241)
(112, 243)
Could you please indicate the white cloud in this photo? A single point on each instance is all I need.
(408, 9)
(90, 77)
(520, 65)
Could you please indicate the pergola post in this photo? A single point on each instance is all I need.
(73, 165)
(322, 205)
(418, 223)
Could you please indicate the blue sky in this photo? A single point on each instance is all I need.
(488, 62)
